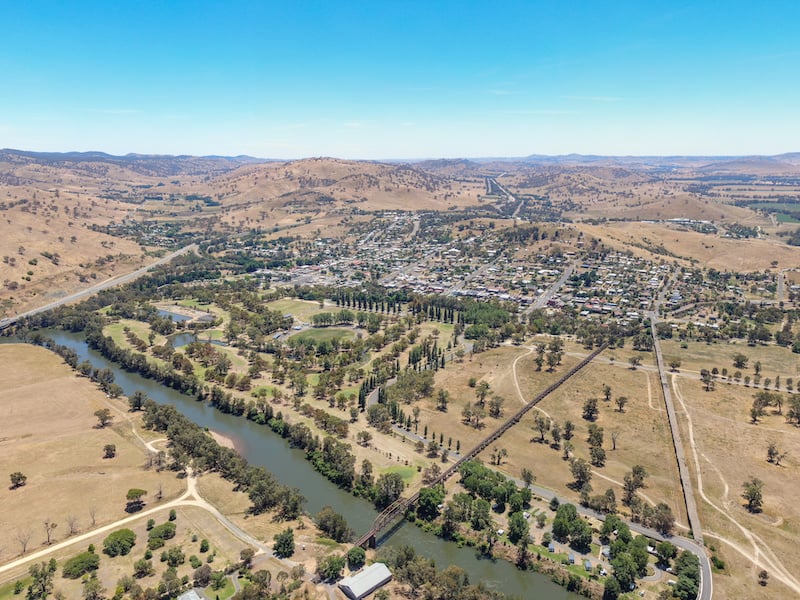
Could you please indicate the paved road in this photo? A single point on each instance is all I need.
(545, 297)
(706, 584)
(91, 291)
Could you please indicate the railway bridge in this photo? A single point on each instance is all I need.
(391, 516)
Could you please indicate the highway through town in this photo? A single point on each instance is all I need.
(91, 291)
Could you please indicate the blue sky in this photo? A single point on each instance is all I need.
(401, 79)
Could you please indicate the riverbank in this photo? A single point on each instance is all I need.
(261, 447)
(223, 440)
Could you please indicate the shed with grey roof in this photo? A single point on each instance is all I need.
(366, 581)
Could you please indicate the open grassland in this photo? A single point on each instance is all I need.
(301, 310)
(643, 435)
(236, 506)
(724, 449)
(709, 250)
(775, 360)
(192, 525)
(325, 334)
(49, 433)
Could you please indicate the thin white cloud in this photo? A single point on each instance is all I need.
(501, 92)
(116, 111)
(604, 99)
(353, 124)
(537, 111)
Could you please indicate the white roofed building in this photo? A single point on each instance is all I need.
(366, 581)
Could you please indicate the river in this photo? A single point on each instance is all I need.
(260, 446)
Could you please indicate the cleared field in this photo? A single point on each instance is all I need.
(48, 432)
(775, 360)
(724, 449)
(709, 250)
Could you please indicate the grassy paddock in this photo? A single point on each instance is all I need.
(323, 334)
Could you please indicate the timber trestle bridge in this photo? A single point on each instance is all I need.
(395, 512)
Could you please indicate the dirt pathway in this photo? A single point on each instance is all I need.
(760, 554)
(520, 395)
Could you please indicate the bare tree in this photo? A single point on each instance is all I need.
(24, 537)
(614, 438)
(72, 524)
(93, 514)
(49, 526)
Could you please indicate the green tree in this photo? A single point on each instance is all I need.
(666, 551)
(93, 589)
(137, 400)
(590, 410)
(42, 576)
(388, 488)
(144, 568)
(284, 543)
(134, 498)
(119, 543)
(333, 525)
(429, 500)
(481, 391)
(624, 570)
(81, 564)
(330, 567)
(528, 477)
(542, 425)
(753, 493)
(356, 557)
(18, 480)
(581, 472)
(518, 528)
(175, 556)
(109, 451)
(104, 417)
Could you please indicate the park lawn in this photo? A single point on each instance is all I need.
(407, 473)
(207, 335)
(223, 593)
(268, 389)
(301, 310)
(142, 330)
(7, 589)
(323, 334)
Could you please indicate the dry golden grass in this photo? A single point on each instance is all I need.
(24, 236)
(48, 433)
(644, 413)
(711, 251)
(730, 450)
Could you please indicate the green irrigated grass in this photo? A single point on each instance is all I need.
(302, 310)
(407, 473)
(7, 590)
(270, 390)
(226, 592)
(323, 334)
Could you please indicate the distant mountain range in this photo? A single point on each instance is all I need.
(164, 165)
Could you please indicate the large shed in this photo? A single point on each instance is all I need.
(366, 581)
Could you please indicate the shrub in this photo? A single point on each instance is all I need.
(81, 564)
(356, 558)
(159, 534)
(119, 543)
